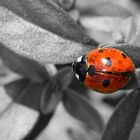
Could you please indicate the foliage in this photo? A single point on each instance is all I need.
(36, 38)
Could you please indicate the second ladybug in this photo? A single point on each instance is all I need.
(105, 70)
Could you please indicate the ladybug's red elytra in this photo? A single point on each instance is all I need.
(104, 70)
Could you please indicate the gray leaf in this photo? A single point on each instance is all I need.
(123, 119)
(81, 109)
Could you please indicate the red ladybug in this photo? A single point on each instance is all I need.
(104, 70)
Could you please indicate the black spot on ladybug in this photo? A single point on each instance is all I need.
(107, 61)
(123, 55)
(101, 51)
(91, 70)
(106, 83)
(110, 72)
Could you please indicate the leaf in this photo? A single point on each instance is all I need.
(75, 14)
(52, 93)
(133, 83)
(103, 8)
(25, 92)
(103, 28)
(50, 98)
(35, 43)
(16, 87)
(67, 4)
(13, 5)
(124, 117)
(64, 77)
(51, 17)
(135, 132)
(16, 119)
(137, 75)
(51, 69)
(22, 113)
(26, 67)
(81, 109)
(134, 30)
(6, 75)
(134, 34)
(16, 122)
(75, 135)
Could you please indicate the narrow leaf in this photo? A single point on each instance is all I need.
(123, 119)
(26, 67)
(81, 109)
(102, 8)
(16, 87)
(67, 4)
(134, 30)
(50, 98)
(64, 77)
(135, 132)
(14, 6)
(16, 120)
(52, 93)
(6, 75)
(25, 92)
(103, 28)
(35, 43)
(51, 17)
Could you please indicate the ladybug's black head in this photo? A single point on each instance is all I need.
(80, 68)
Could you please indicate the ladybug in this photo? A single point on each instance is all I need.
(104, 70)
